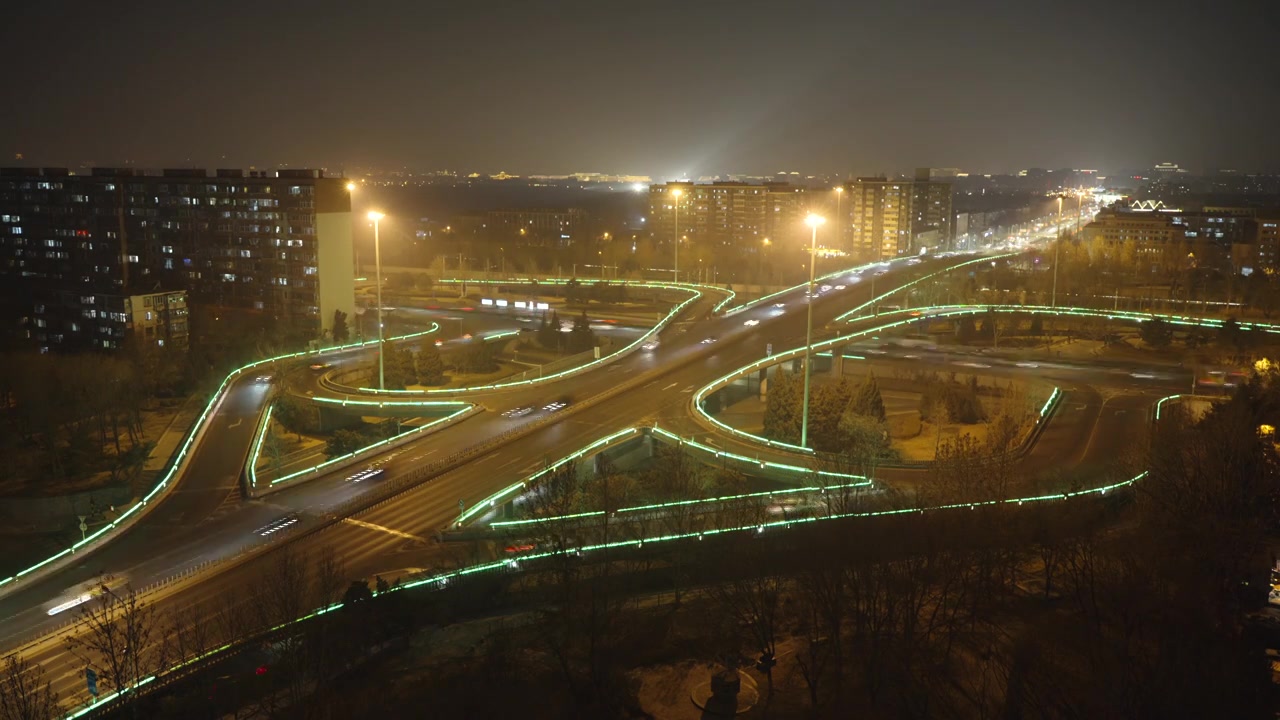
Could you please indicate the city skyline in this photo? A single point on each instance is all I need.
(666, 91)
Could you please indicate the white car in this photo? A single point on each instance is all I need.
(519, 412)
(650, 346)
(710, 340)
(751, 323)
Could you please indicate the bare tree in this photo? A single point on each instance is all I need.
(25, 694)
(119, 635)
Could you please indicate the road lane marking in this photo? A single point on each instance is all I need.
(236, 423)
(686, 390)
(380, 528)
(669, 387)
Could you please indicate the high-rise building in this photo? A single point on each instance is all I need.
(727, 213)
(276, 244)
(878, 224)
(931, 216)
(885, 218)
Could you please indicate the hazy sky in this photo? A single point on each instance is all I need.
(690, 87)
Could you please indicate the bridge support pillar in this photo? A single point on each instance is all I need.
(837, 362)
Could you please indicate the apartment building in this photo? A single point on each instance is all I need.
(274, 244)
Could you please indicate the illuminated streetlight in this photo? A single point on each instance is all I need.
(351, 187)
(1057, 249)
(839, 217)
(675, 271)
(376, 216)
(813, 221)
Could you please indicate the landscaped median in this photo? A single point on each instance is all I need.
(258, 486)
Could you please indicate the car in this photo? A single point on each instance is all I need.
(519, 548)
(881, 272)
(321, 365)
(519, 412)
(263, 378)
(558, 404)
(751, 323)
(368, 473)
(650, 346)
(824, 288)
(709, 340)
(467, 336)
(779, 305)
(439, 343)
(840, 287)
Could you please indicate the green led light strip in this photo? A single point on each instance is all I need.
(680, 503)
(257, 448)
(852, 313)
(805, 284)
(342, 458)
(934, 311)
(697, 294)
(441, 580)
(493, 499)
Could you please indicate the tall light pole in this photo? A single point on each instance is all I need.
(813, 221)
(675, 236)
(375, 216)
(1057, 248)
(839, 218)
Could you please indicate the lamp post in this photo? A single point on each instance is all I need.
(375, 216)
(675, 236)
(813, 221)
(839, 218)
(1057, 248)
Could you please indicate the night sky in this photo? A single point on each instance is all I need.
(657, 88)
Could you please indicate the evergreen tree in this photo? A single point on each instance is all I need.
(826, 407)
(477, 357)
(862, 436)
(1037, 326)
(1156, 333)
(430, 365)
(549, 335)
(581, 338)
(868, 401)
(341, 333)
(965, 330)
(399, 370)
(782, 407)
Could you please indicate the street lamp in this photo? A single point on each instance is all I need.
(675, 272)
(1057, 248)
(839, 218)
(813, 221)
(375, 216)
(351, 187)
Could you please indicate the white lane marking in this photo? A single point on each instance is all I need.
(236, 423)
(669, 387)
(688, 389)
(380, 528)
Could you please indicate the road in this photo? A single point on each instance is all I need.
(396, 536)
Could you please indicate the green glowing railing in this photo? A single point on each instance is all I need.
(695, 289)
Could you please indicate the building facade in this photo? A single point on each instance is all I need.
(883, 218)
(727, 213)
(275, 244)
